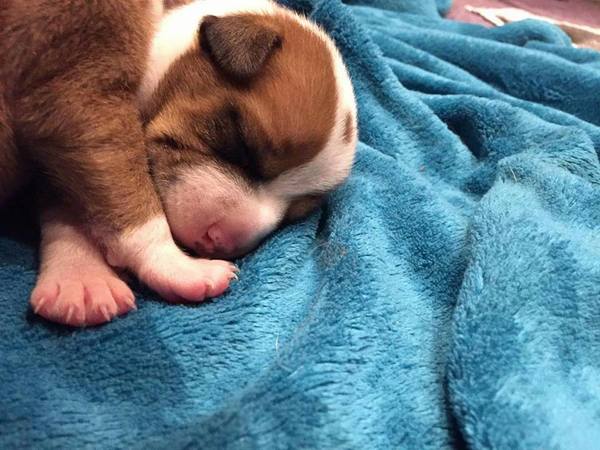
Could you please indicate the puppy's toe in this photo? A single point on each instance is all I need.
(81, 299)
(60, 301)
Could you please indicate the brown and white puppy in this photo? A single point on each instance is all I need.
(247, 120)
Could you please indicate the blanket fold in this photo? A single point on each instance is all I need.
(447, 296)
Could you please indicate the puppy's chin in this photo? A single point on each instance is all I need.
(216, 214)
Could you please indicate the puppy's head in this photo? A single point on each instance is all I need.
(250, 119)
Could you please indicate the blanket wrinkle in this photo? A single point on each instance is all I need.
(447, 296)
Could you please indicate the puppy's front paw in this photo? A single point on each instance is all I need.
(180, 278)
(150, 252)
(82, 297)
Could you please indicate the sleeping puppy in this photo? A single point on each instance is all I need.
(206, 126)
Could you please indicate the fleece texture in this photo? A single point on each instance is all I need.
(448, 296)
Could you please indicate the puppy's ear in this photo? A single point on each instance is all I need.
(239, 46)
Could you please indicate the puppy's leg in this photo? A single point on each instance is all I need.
(93, 151)
(12, 169)
(75, 285)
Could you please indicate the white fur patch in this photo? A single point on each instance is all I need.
(64, 243)
(270, 211)
(148, 243)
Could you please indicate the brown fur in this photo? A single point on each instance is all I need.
(13, 172)
(169, 4)
(69, 75)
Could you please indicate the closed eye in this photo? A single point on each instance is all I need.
(225, 136)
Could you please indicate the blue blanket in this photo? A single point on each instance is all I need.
(447, 296)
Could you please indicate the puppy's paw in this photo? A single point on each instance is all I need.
(180, 278)
(151, 254)
(88, 296)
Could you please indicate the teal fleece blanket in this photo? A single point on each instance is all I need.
(448, 296)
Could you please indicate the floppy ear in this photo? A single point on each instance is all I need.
(239, 46)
